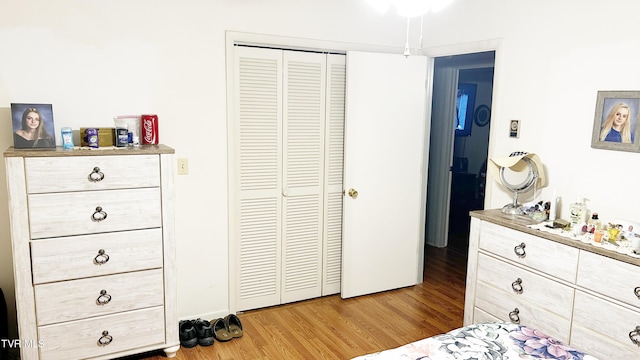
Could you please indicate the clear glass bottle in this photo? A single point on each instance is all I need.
(594, 223)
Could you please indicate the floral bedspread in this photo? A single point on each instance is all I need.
(484, 341)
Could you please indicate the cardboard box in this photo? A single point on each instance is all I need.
(106, 137)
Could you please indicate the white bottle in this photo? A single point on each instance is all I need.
(578, 212)
(553, 206)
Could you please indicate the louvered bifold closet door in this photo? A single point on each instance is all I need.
(334, 163)
(303, 174)
(257, 185)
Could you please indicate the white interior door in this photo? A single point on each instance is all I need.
(445, 84)
(385, 163)
(286, 215)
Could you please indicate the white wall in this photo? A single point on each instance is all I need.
(555, 56)
(96, 59)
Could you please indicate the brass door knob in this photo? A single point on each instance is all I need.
(353, 193)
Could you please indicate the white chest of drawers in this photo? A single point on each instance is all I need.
(93, 245)
(584, 295)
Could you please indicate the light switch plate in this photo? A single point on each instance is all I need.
(514, 128)
(183, 166)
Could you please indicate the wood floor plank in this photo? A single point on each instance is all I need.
(333, 328)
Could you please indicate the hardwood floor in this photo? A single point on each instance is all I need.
(332, 328)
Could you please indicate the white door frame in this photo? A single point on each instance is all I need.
(438, 236)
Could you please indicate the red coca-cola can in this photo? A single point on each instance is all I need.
(149, 127)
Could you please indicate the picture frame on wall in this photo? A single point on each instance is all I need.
(482, 115)
(617, 116)
(33, 126)
(465, 103)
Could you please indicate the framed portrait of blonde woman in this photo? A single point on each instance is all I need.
(615, 126)
(33, 126)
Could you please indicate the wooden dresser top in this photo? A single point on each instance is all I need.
(59, 151)
(522, 222)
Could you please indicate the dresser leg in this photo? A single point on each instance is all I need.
(171, 351)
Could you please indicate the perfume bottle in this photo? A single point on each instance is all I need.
(594, 223)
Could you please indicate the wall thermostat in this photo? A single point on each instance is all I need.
(514, 128)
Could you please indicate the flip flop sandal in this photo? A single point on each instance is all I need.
(234, 325)
(220, 330)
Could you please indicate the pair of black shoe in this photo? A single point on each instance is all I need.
(196, 332)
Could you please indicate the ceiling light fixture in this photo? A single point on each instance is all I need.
(409, 9)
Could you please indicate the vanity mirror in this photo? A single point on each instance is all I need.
(519, 173)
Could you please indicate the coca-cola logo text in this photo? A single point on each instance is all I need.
(149, 134)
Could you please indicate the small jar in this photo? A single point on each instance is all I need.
(597, 236)
(122, 136)
(92, 137)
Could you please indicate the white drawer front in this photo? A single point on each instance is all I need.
(496, 303)
(76, 257)
(547, 256)
(599, 347)
(58, 174)
(609, 277)
(64, 214)
(595, 319)
(84, 298)
(483, 316)
(79, 339)
(535, 289)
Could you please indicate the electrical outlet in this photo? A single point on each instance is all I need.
(183, 166)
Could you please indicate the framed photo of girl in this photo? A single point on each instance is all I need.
(33, 126)
(617, 117)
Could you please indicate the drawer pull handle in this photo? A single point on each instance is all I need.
(519, 250)
(101, 258)
(637, 292)
(514, 317)
(98, 215)
(517, 286)
(104, 298)
(634, 335)
(96, 175)
(105, 339)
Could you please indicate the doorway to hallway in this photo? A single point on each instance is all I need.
(460, 124)
(468, 173)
